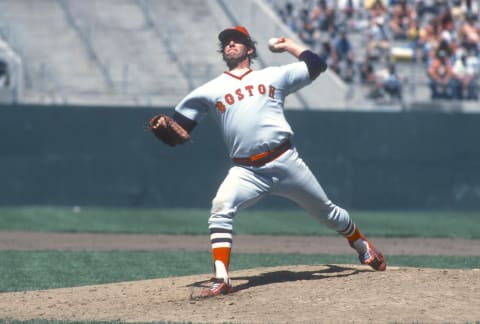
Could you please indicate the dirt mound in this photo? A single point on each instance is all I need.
(294, 294)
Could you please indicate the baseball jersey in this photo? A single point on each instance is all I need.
(249, 109)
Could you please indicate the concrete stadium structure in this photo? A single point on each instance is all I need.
(146, 52)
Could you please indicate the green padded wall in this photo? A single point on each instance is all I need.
(102, 156)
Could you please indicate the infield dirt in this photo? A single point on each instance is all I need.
(289, 294)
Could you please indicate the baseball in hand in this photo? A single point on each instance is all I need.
(271, 45)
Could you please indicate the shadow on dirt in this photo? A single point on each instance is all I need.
(331, 271)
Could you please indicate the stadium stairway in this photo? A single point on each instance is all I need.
(136, 52)
(54, 59)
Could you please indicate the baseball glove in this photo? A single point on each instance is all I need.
(166, 129)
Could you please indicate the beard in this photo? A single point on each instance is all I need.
(234, 59)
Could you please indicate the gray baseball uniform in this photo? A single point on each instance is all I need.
(249, 111)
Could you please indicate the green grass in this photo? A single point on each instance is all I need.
(29, 270)
(267, 222)
(32, 270)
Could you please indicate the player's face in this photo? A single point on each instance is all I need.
(234, 49)
(235, 52)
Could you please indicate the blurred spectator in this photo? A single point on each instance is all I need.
(469, 6)
(378, 38)
(367, 72)
(424, 7)
(288, 17)
(343, 58)
(466, 86)
(343, 47)
(327, 52)
(447, 25)
(376, 7)
(346, 70)
(414, 35)
(350, 14)
(402, 19)
(469, 34)
(4, 74)
(445, 45)
(440, 73)
(392, 82)
(429, 40)
(307, 29)
(387, 82)
(436, 7)
(323, 17)
(349, 8)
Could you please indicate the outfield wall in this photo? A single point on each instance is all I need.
(102, 156)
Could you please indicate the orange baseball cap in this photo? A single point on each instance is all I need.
(237, 31)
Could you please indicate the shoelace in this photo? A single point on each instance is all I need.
(215, 286)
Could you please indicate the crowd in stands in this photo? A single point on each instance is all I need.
(442, 36)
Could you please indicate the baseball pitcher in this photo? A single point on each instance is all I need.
(248, 107)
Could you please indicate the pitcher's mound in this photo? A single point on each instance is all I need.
(293, 294)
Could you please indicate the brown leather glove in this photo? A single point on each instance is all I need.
(166, 129)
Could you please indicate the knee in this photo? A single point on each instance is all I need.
(221, 206)
(336, 218)
(221, 215)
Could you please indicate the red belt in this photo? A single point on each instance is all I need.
(263, 158)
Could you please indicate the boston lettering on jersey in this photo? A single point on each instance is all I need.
(241, 93)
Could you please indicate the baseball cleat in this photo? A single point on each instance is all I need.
(368, 254)
(218, 287)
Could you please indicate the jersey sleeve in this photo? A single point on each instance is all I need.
(295, 76)
(194, 106)
(315, 63)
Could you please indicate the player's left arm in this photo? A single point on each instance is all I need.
(184, 121)
(172, 130)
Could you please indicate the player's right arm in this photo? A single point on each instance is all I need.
(315, 63)
(286, 44)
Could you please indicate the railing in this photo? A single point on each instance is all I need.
(11, 78)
